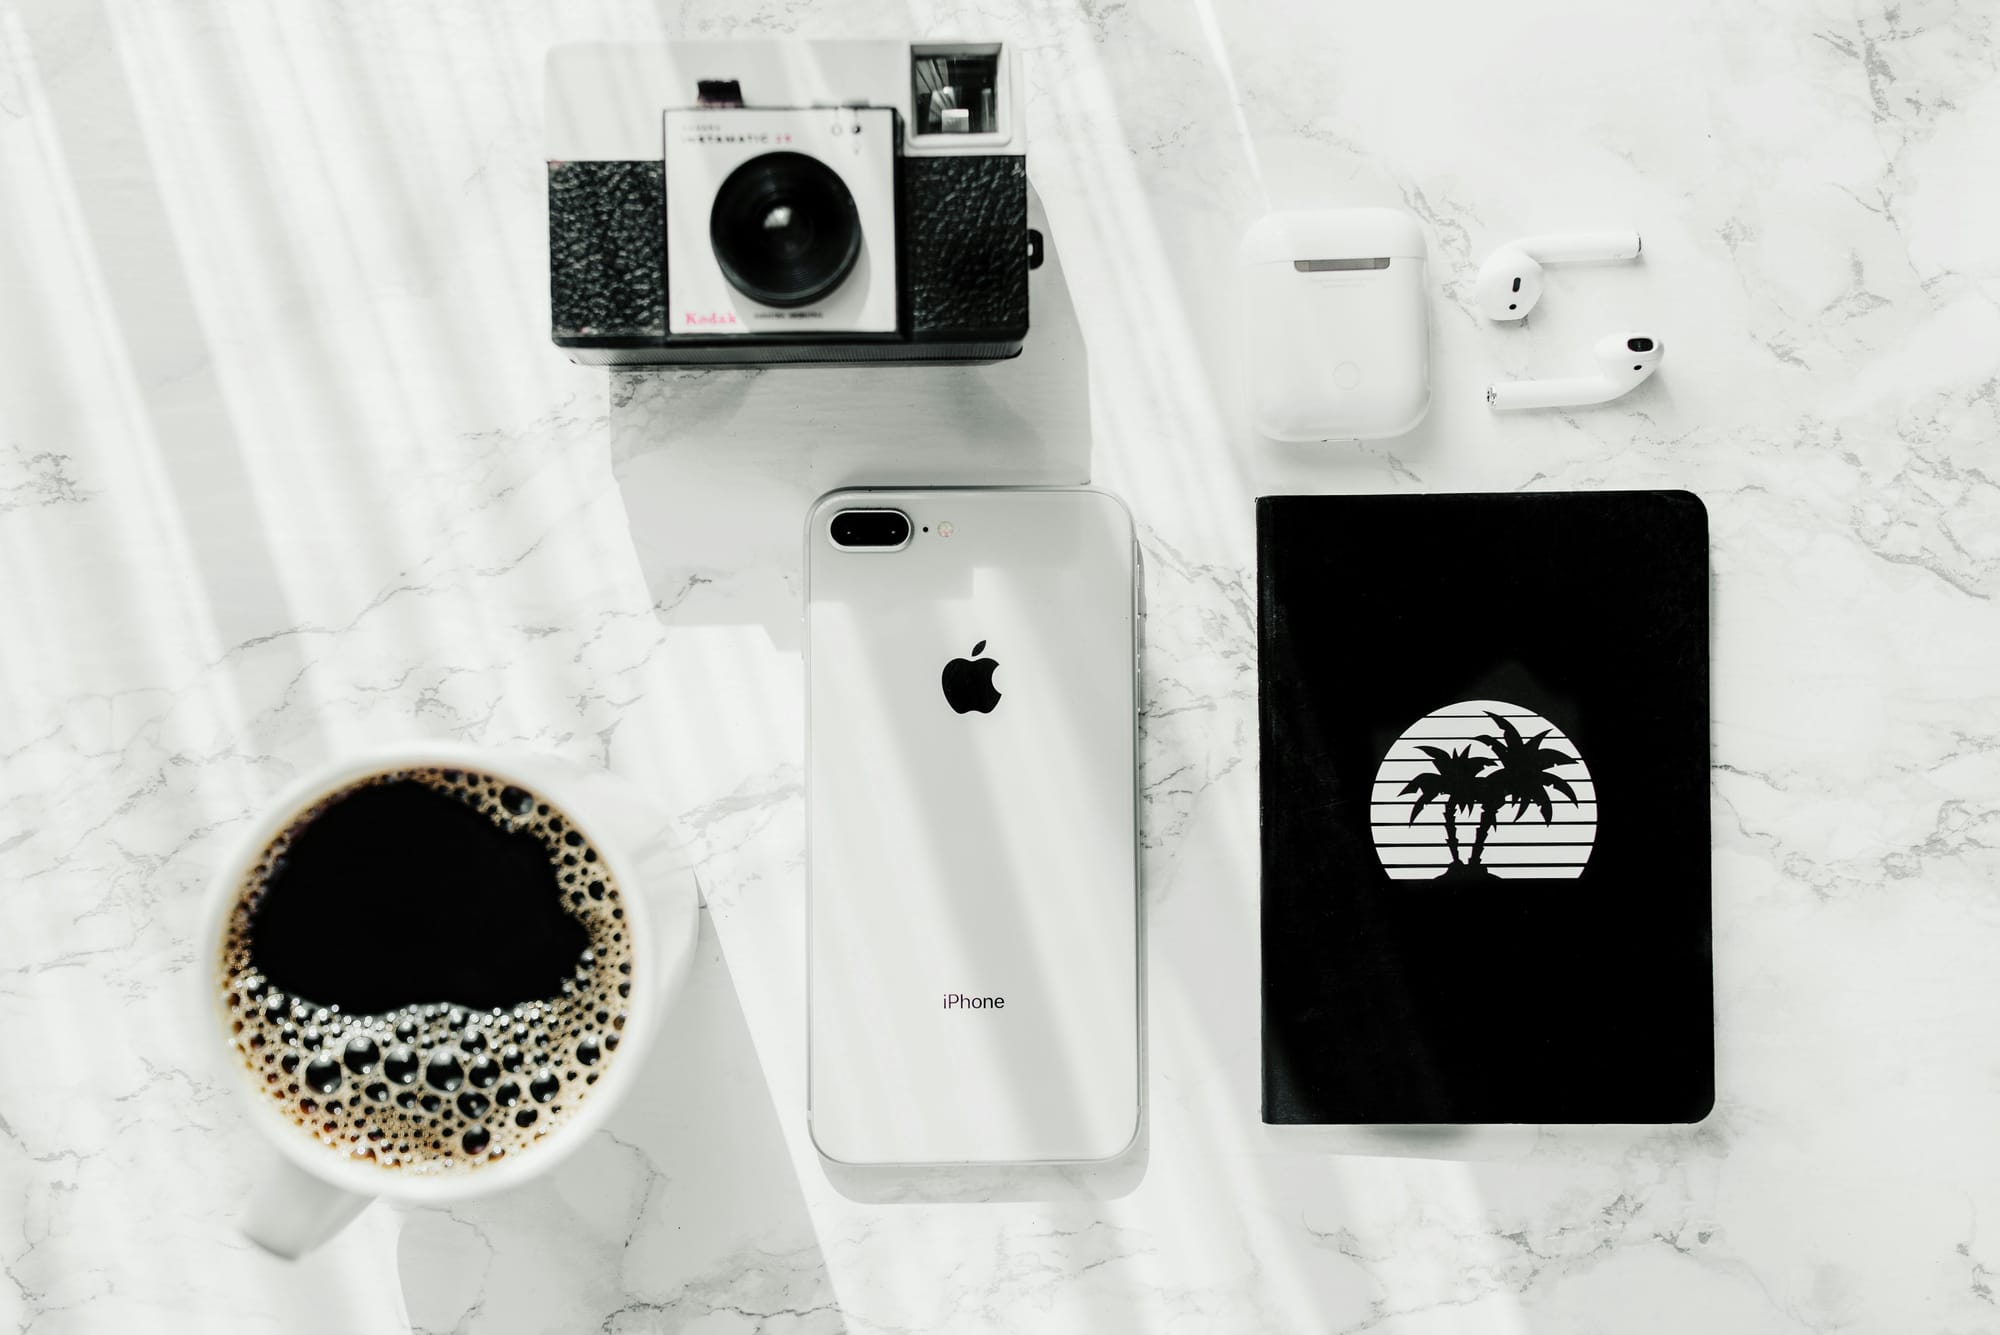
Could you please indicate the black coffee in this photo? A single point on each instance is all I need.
(428, 968)
(476, 907)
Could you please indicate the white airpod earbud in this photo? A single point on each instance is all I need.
(1624, 361)
(1510, 282)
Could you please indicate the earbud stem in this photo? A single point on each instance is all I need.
(1574, 391)
(1583, 247)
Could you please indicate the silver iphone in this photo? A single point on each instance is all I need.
(972, 816)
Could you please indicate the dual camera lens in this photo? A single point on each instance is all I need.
(878, 530)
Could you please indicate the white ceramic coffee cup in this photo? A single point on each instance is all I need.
(311, 1191)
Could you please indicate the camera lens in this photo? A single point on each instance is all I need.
(1639, 344)
(869, 528)
(784, 229)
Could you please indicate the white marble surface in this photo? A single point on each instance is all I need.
(286, 465)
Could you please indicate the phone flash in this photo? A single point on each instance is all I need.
(944, 530)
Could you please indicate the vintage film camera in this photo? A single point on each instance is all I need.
(765, 202)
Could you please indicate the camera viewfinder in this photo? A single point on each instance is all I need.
(956, 91)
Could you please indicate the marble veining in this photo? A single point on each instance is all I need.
(287, 466)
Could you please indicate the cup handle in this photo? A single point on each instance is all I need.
(290, 1211)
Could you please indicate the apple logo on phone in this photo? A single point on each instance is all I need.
(968, 683)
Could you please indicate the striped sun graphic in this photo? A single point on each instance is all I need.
(1483, 789)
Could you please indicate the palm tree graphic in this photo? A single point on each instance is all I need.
(1460, 782)
(1456, 781)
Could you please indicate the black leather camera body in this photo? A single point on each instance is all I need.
(776, 202)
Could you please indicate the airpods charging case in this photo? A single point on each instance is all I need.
(1338, 324)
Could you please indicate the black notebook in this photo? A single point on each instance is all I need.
(1485, 808)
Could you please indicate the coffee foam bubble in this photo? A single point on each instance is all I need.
(436, 1088)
